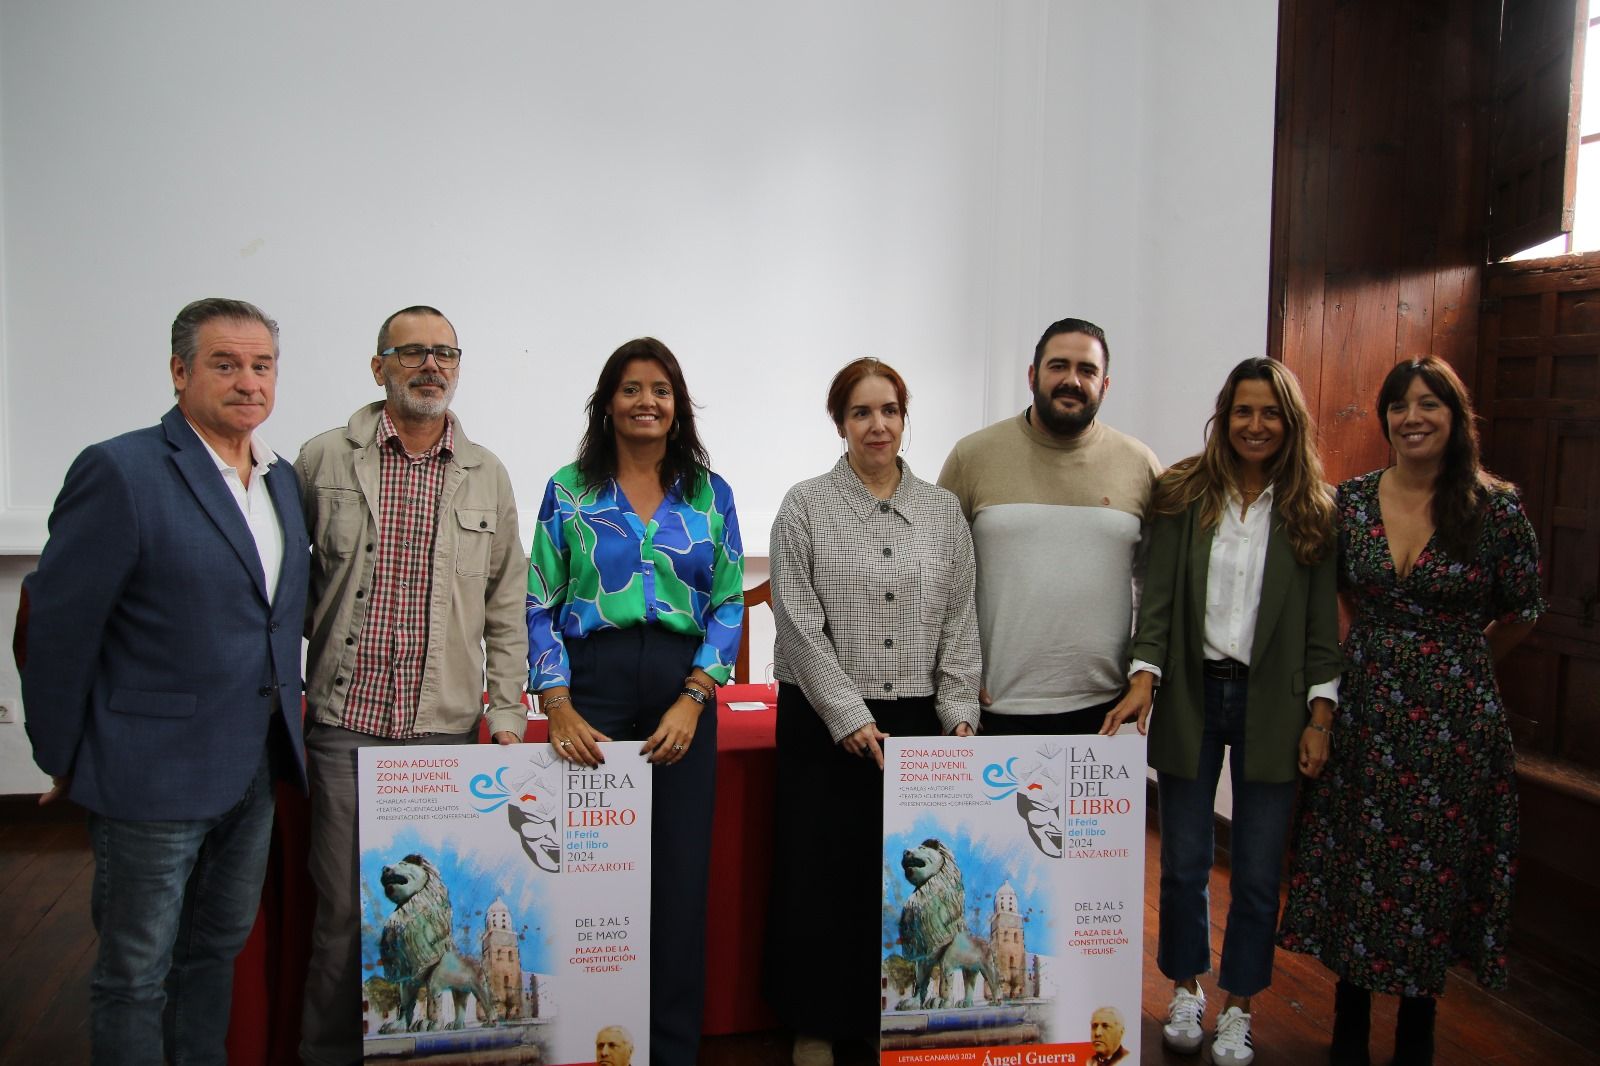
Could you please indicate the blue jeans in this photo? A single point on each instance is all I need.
(173, 903)
(1261, 814)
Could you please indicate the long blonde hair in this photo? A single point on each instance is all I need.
(1303, 499)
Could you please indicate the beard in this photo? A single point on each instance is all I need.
(1065, 425)
(403, 397)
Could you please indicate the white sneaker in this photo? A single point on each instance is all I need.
(1232, 1046)
(1182, 1033)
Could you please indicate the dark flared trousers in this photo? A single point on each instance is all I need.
(825, 928)
(623, 681)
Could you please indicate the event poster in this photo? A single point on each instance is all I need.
(1013, 900)
(505, 900)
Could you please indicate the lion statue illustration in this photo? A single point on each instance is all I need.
(418, 952)
(933, 927)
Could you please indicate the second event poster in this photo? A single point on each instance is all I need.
(505, 903)
(1013, 872)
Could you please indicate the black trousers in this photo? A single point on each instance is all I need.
(623, 681)
(825, 930)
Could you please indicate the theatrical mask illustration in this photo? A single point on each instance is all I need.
(534, 811)
(1036, 782)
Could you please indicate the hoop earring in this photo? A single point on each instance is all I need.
(676, 426)
(605, 423)
(905, 440)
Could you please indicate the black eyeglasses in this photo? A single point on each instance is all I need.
(412, 356)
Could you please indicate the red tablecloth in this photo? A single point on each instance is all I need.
(741, 862)
(269, 976)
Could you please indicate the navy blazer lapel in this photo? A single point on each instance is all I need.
(194, 463)
(285, 492)
(1276, 577)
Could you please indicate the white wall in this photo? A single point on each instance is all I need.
(17, 772)
(771, 190)
(1157, 213)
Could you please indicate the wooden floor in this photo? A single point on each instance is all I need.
(47, 947)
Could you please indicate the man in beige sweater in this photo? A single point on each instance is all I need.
(1057, 501)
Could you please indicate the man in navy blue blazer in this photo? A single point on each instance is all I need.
(162, 682)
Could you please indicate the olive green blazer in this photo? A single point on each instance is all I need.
(1296, 646)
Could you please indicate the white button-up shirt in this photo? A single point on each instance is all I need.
(1233, 578)
(1233, 588)
(255, 503)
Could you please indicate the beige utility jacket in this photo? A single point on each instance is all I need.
(477, 628)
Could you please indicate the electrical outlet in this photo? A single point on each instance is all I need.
(7, 714)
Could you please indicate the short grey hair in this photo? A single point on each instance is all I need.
(186, 327)
(414, 309)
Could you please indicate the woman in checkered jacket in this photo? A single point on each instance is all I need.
(877, 635)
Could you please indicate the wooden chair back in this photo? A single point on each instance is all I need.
(761, 593)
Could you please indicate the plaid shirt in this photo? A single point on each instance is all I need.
(873, 599)
(387, 680)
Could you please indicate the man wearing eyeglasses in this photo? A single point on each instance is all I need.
(417, 591)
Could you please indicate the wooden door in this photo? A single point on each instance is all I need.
(1539, 395)
(1538, 392)
(1533, 158)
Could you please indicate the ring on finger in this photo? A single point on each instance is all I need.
(677, 747)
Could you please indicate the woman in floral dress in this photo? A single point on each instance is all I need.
(1405, 852)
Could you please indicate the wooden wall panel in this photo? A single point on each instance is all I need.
(1378, 200)
(1422, 136)
(1530, 682)
(1379, 244)
(1538, 392)
(1300, 189)
(1553, 907)
(1539, 395)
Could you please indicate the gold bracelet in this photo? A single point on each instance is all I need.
(554, 701)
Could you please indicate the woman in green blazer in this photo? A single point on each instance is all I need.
(1239, 627)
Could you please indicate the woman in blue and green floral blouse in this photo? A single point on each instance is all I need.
(635, 602)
